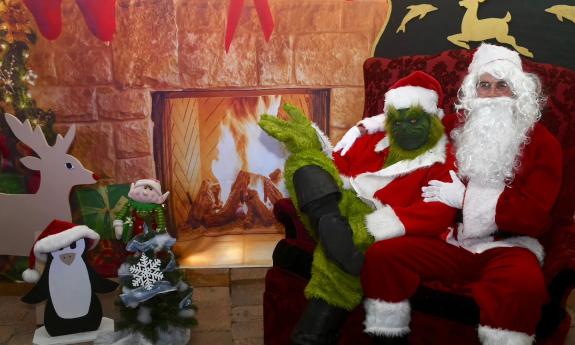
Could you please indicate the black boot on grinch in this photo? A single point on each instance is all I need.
(319, 324)
(318, 196)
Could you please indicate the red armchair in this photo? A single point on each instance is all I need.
(440, 314)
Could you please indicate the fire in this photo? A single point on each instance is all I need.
(244, 146)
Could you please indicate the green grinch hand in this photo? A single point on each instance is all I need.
(297, 134)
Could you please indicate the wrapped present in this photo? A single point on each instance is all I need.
(107, 257)
(12, 183)
(97, 206)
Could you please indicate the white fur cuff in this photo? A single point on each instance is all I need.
(383, 224)
(498, 336)
(386, 318)
(374, 124)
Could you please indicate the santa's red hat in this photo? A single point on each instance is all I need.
(58, 234)
(418, 88)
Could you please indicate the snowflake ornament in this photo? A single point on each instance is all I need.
(146, 272)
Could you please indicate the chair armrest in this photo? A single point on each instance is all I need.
(559, 266)
(285, 213)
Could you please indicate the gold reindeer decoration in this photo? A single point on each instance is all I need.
(562, 11)
(415, 11)
(475, 29)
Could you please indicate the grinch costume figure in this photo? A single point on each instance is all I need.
(371, 193)
(144, 211)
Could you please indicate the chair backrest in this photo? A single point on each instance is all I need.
(449, 67)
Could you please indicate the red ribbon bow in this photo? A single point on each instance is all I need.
(234, 12)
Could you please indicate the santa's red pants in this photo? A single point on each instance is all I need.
(507, 283)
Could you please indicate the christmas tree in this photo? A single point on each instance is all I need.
(16, 37)
(156, 302)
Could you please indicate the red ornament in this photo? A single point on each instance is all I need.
(48, 16)
(100, 16)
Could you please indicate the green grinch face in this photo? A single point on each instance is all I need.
(409, 127)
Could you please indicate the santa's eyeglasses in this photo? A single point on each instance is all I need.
(499, 87)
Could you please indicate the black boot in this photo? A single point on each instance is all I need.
(318, 196)
(382, 340)
(319, 324)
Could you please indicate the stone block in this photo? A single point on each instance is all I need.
(335, 134)
(346, 106)
(275, 60)
(305, 16)
(248, 313)
(133, 139)
(247, 330)
(71, 104)
(204, 62)
(145, 47)
(87, 66)
(213, 309)
(124, 104)
(132, 169)
(359, 15)
(321, 60)
(247, 292)
(248, 273)
(208, 277)
(93, 146)
(202, 16)
(42, 62)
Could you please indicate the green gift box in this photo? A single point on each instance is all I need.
(97, 206)
(11, 183)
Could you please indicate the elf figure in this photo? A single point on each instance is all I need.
(373, 193)
(144, 211)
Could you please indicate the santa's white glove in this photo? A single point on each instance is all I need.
(118, 228)
(347, 141)
(450, 194)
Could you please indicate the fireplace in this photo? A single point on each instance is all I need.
(224, 173)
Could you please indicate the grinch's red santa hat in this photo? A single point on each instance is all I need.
(57, 235)
(418, 88)
(492, 55)
(155, 184)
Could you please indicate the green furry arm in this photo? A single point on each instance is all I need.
(297, 134)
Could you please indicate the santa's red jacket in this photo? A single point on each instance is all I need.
(516, 214)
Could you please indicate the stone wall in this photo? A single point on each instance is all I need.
(105, 89)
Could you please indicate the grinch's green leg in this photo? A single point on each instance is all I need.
(318, 196)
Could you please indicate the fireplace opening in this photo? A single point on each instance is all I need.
(223, 172)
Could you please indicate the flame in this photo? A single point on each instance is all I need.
(244, 146)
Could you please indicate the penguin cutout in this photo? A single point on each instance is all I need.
(68, 283)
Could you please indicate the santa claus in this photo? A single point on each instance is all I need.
(509, 177)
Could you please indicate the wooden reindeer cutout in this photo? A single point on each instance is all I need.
(475, 29)
(24, 215)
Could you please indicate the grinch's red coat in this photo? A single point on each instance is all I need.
(395, 191)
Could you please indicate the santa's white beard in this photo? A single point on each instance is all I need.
(489, 144)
